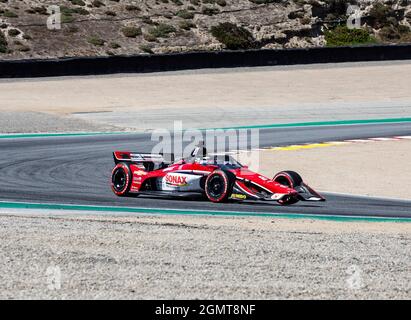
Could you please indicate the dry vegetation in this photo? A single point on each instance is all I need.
(111, 27)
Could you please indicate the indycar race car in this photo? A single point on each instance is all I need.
(219, 178)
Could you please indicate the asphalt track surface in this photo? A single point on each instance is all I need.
(76, 170)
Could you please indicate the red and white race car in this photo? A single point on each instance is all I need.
(219, 178)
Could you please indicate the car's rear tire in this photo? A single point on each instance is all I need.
(121, 179)
(218, 186)
(289, 179)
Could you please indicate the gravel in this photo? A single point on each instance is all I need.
(144, 257)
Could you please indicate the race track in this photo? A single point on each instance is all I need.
(76, 170)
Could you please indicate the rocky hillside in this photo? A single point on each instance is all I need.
(111, 27)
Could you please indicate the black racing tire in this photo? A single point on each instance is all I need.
(121, 179)
(218, 186)
(289, 179)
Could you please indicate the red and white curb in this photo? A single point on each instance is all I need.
(321, 144)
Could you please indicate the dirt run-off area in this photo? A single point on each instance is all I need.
(207, 98)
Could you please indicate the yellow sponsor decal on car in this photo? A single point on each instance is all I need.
(238, 196)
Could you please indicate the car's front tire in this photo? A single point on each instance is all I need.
(121, 179)
(218, 186)
(289, 179)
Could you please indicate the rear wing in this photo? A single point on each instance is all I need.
(135, 157)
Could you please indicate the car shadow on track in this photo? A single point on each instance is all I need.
(231, 203)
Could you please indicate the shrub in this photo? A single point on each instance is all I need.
(3, 43)
(146, 49)
(185, 14)
(72, 29)
(13, 32)
(343, 36)
(66, 18)
(114, 45)
(10, 14)
(389, 33)
(209, 11)
(66, 10)
(379, 15)
(66, 14)
(186, 25)
(400, 33)
(131, 32)
(96, 41)
(131, 7)
(149, 37)
(78, 2)
(305, 20)
(147, 20)
(162, 30)
(232, 36)
(337, 7)
(81, 11)
(23, 48)
(264, 1)
(97, 4)
(40, 10)
(403, 29)
(221, 3)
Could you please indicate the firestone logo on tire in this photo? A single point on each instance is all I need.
(179, 181)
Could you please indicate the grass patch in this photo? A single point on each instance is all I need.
(343, 36)
(233, 36)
